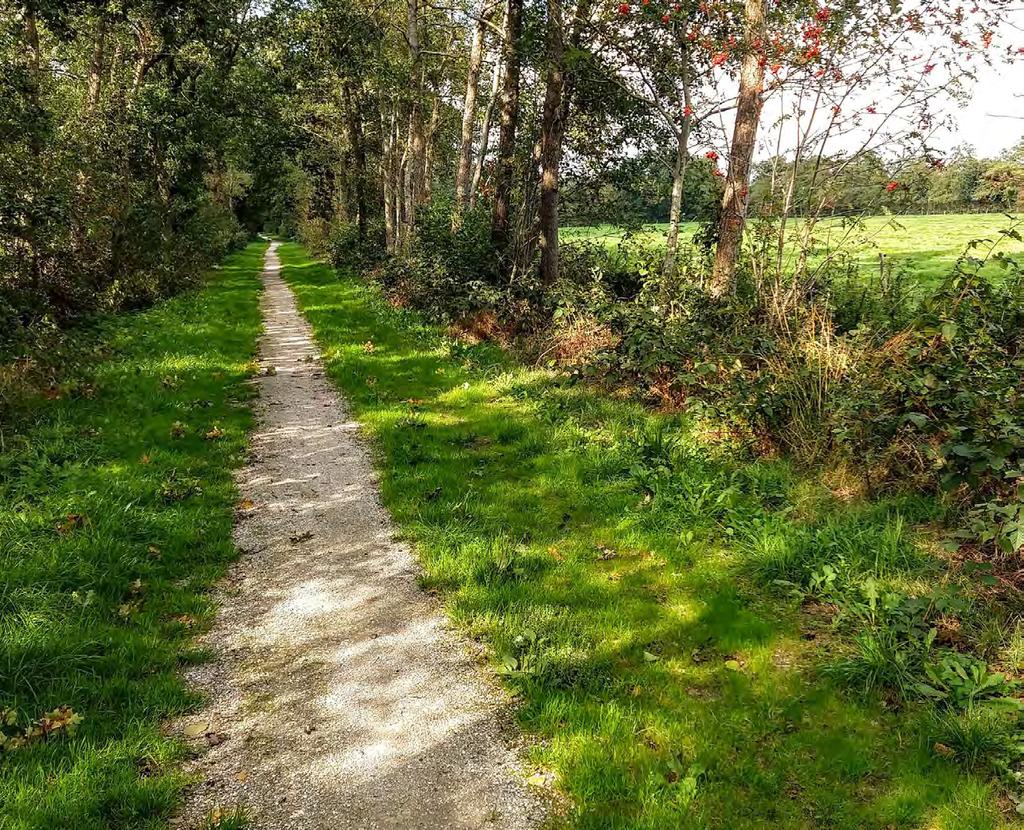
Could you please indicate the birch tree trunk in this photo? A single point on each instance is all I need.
(388, 179)
(415, 151)
(485, 131)
(476, 59)
(676, 207)
(427, 190)
(733, 220)
(509, 123)
(355, 138)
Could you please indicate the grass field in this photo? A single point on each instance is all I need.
(927, 246)
(116, 503)
(621, 571)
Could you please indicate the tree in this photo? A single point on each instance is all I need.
(750, 101)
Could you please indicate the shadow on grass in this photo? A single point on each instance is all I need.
(116, 506)
(664, 687)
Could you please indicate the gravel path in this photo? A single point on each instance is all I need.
(338, 698)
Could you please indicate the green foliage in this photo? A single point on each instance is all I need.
(944, 398)
(450, 274)
(124, 129)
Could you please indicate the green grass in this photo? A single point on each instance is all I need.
(115, 520)
(621, 572)
(926, 246)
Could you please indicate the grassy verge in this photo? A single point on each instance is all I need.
(115, 519)
(626, 575)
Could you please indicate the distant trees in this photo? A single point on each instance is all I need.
(961, 183)
(139, 134)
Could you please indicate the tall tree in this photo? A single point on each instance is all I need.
(469, 111)
(505, 165)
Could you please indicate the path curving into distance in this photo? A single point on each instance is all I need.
(338, 697)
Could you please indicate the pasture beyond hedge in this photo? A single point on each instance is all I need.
(927, 247)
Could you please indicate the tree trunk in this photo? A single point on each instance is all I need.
(551, 143)
(476, 59)
(355, 139)
(415, 151)
(505, 166)
(144, 59)
(95, 87)
(389, 180)
(558, 95)
(485, 132)
(678, 186)
(427, 190)
(35, 143)
(733, 220)
(679, 170)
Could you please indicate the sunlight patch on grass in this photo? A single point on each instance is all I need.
(623, 583)
(113, 526)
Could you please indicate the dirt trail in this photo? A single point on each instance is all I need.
(338, 698)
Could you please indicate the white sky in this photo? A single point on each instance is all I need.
(991, 121)
(992, 96)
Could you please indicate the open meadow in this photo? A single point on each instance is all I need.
(925, 248)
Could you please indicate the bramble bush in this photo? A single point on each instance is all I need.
(927, 395)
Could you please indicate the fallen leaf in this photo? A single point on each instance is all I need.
(73, 521)
(651, 658)
(242, 777)
(196, 730)
(246, 504)
(146, 459)
(214, 434)
(733, 665)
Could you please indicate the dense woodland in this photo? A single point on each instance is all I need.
(437, 150)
